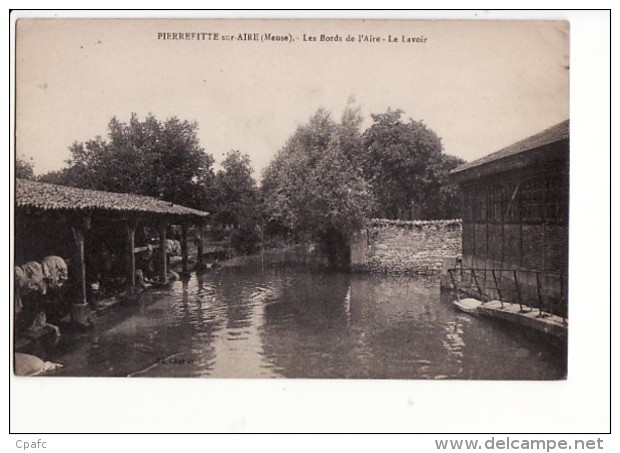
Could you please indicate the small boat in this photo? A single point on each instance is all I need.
(468, 305)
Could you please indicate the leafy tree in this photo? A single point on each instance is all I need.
(24, 168)
(150, 157)
(66, 176)
(404, 163)
(287, 174)
(236, 202)
(234, 189)
(313, 187)
(444, 198)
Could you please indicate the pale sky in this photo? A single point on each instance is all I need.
(480, 85)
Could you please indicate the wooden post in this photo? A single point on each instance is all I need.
(79, 311)
(563, 303)
(519, 296)
(184, 248)
(131, 225)
(497, 286)
(457, 288)
(474, 218)
(163, 262)
(78, 235)
(539, 293)
(473, 273)
(521, 207)
(486, 239)
(200, 225)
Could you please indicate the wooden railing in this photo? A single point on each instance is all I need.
(507, 285)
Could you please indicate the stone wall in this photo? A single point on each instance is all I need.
(406, 247)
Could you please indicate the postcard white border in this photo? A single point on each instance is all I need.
(580, 404)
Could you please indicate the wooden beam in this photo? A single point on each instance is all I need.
(520, 204)
(145, 248)
(79, 311)
(131, 226)
(163, 261)
(200, 242)
(78, 227)
(184, 248)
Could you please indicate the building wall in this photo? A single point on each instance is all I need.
(518, 221)
(406, 247)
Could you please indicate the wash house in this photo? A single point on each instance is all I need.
(515, 220)
(84, 225)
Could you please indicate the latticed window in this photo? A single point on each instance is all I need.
(480, 209)
(533, 199)
(512, 205)
(468, 204)
(496, 202)
(556, 206)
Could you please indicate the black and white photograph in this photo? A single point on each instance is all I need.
(314, 199)
(275, 210)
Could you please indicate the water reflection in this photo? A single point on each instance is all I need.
(297, 321)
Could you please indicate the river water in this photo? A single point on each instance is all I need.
(299, 321)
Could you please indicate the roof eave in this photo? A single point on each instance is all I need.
(513, 162)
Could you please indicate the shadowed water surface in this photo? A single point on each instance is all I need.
(297, 321)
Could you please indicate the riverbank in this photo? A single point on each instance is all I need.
(285, 253)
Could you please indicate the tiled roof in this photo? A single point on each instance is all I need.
(39, 195)
(551, 135)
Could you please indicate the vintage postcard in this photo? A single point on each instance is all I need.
(357, 199)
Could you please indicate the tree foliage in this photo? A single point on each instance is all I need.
(234, 190)
(313, 187)
(322, 185)
(24, 168)
(162, 159)
(236, 202)
(405, 164)
(444, 198)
